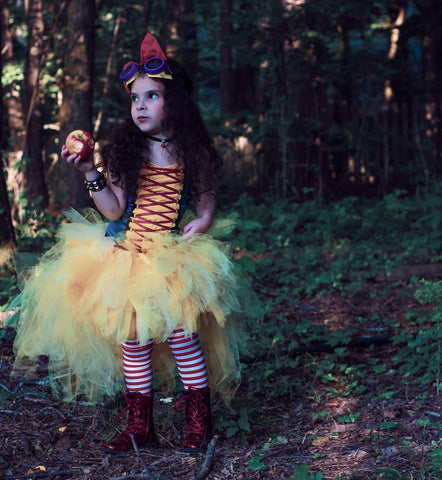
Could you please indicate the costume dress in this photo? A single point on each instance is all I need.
(91, 292)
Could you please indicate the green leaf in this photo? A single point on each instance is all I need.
(231, 431)
(255, 463)
(247, 264)
(301, 472)
(243, 421)
(389, 473)
(316, 415)
(424, 422)
(386, 425)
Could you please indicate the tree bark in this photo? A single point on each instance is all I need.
(76, 109)
(108, 75)
(147, 11)
(6, 37)
(182, 29)
(7, 235)
(244, 75)
(226, 59)
(34, 179)
(432, 45)
(394, 46)
(16, 125)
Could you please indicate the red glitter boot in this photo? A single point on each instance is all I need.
(196, 401)
(138, 412)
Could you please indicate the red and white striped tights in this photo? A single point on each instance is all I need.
(188, 356)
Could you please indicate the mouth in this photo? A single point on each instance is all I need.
(142, 118)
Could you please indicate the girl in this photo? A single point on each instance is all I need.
(155, 285)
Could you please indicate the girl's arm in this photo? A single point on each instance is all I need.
(111, 201)
(205, 209)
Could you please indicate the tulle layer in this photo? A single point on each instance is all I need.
(89, 294)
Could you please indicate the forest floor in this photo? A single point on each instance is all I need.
(391, 425)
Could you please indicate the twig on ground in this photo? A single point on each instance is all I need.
(145, 474)
(208, 461)
(11, 411)
(279, 450)
(145, 470)
(132, 475)
(141, 475)
(171, 445)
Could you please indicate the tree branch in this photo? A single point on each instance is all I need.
(208, 461)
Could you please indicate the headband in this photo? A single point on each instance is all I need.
(152, 61)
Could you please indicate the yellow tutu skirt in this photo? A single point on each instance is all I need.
(88, 293)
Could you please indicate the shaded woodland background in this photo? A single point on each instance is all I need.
(327, 114)
(307, 99)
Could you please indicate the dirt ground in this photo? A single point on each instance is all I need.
(44, 438)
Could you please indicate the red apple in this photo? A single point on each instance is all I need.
(80, 142)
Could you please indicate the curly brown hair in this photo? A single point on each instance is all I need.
(121, 153)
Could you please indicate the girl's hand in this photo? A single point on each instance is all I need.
(76, 161)
(111, 200)
(205, 208)
(199, 225)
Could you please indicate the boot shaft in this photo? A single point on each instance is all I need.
(196, 402)
(139, 415)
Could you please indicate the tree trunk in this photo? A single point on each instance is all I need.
(76, 109)
(244, 91)
(394, 46)
(182, 29)
(7, 235)
(16, 125)
(108, 75)
(432, 45)
(147, 11)
(34, 180)
(6, 37)
(226, 59)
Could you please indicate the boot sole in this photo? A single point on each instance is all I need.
(195, 450)
(141, 447)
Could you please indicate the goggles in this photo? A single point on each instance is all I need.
(155, 67)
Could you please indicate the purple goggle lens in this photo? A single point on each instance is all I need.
(129, 71)
(152, 66)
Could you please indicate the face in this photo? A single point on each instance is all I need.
(147, 102)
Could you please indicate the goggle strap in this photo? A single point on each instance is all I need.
(137, 73)
(166, 76)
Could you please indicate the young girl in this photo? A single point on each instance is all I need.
(154, 288)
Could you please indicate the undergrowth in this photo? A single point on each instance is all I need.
(34, 235)
(313, 248)
(295, 254)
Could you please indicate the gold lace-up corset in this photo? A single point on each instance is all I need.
(157, 201)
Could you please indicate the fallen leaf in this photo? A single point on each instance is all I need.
(320, 440)
(389, 414)
(37, 469)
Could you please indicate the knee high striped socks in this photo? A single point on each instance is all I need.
(189, 359)
(137, 366)
(188, 355)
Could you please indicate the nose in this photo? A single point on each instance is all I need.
(142, 105)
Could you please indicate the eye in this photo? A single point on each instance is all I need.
(154, 95)
(134, 98)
